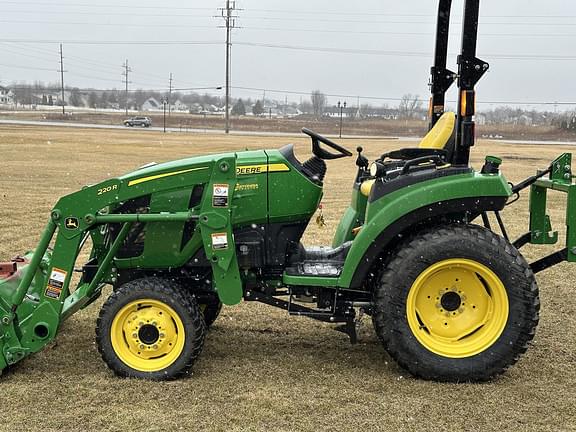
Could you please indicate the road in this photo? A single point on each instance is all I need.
(249, 133)
(160, 129)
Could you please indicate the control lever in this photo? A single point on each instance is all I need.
(361, 160)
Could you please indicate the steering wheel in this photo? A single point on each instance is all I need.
(320, 152)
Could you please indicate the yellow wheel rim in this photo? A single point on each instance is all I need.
(147, 335)
(457, 308)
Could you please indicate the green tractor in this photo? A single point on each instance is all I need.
(450, 300)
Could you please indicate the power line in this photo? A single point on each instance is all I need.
(301, 48)
(274, 11)
(98, 5)
(283, 29)
(398, 53)
(81, 63)
(308, 12)
(393, 99)
(111, 14)
(90, 89)
(298, 19)
(379, 13)
(105, 24)
(26, 67)
(394, 33)
(70, 59)
(110, 42)
(431, 22)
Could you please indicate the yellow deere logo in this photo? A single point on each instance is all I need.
(260, 169)
(71, 223)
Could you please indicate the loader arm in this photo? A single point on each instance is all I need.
(39, 297)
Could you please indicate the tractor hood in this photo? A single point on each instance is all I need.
(153, 171)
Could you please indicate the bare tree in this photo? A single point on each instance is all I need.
(93, 100)
(318, 103)
(305, 107)
(409, 105)
(75, 98)
(239, 108)
(258, 108)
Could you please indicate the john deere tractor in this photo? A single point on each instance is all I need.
(450, 298)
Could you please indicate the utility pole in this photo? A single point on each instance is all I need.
(164, 102)
(62, 80)
(170, 96)
(230, 21)
(126, 81)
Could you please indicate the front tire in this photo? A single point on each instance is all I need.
(150, 328)
(457, 303)
(211, 311)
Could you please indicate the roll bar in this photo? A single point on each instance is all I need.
(441, 79)
(470, 71)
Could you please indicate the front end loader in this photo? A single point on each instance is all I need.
(451, 299)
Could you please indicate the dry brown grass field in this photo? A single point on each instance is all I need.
(260, 369)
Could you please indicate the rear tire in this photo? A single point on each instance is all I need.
(150, 328)
(457, 303)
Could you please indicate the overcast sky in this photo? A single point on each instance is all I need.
(369, 48)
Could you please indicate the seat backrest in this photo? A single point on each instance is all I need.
(439, 136)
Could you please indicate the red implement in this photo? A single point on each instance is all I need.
(7, 269)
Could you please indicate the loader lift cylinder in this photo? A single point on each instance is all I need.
(20, 292)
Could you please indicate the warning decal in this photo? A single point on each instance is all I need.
(220, 195)
(219, 241)
(55, 283)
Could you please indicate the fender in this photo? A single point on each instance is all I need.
(460, 197)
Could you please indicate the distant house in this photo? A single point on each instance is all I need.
(213, 109)
(480, 119)
(151, 105)
(290, 111)
(524, 120)
(383, 113)
(6, 96)
(179, 106)
(334, 112)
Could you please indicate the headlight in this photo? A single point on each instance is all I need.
(377, 169)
